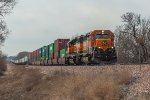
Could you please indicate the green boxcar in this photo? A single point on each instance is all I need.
(44, 53)
(63, 53)
(51, 48)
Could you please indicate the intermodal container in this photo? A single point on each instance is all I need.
(39, 54)
(55, 61)
(47, 52)
(34, 55)
(60, 44)
(56, 55)
(50, 62)
(62, 60)
(31, 56)
(51, 48)
(44, 53)
(63, 53)
(51, 56)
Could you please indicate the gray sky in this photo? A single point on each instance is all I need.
(35, 23)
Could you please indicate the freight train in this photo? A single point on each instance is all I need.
(91, 48)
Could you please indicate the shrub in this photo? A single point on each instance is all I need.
(3, 63)
(101, 86)
(31, 78)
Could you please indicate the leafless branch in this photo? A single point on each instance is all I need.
(134, 36)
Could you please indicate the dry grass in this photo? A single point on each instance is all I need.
(31, 79)
(122, 76)
(3, 65)
(17, 84)
(143, 96)
(30, 84)
(101, 86)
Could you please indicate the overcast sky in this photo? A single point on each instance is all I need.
(35, 23)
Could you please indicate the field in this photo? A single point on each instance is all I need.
(110, 82)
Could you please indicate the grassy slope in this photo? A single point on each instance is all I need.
(29, 84)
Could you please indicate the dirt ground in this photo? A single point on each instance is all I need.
(110, 82)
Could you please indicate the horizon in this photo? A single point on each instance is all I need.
(34, 25)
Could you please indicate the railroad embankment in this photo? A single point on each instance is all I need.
(110, 82)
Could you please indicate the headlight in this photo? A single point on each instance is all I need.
(99, 47)
(112, 47)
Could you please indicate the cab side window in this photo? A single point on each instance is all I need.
(85, 38)
(112, 38)
(93, 37)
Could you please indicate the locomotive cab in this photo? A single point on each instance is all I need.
(71, 46)
(104, 41)
(102, 44)
(79, 44)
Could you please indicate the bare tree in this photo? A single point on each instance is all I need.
(134, 38)
(5, 8)
(3, 31)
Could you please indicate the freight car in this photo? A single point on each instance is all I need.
(90, 48)
(22, 61)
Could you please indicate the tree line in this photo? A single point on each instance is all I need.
(133, 39)
(6, 7)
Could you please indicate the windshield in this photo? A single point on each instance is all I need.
(100, 36)
(105, 36)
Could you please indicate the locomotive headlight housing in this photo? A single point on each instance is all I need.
(99, 47)
(112, 47)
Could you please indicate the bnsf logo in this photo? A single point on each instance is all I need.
(104, 43)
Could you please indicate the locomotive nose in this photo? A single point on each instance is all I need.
(103, 44)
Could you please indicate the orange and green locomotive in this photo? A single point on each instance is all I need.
(93, 47)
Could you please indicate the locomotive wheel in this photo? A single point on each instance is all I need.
(89, 60)
(78, 60)
(95, 60)
(68, 61)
